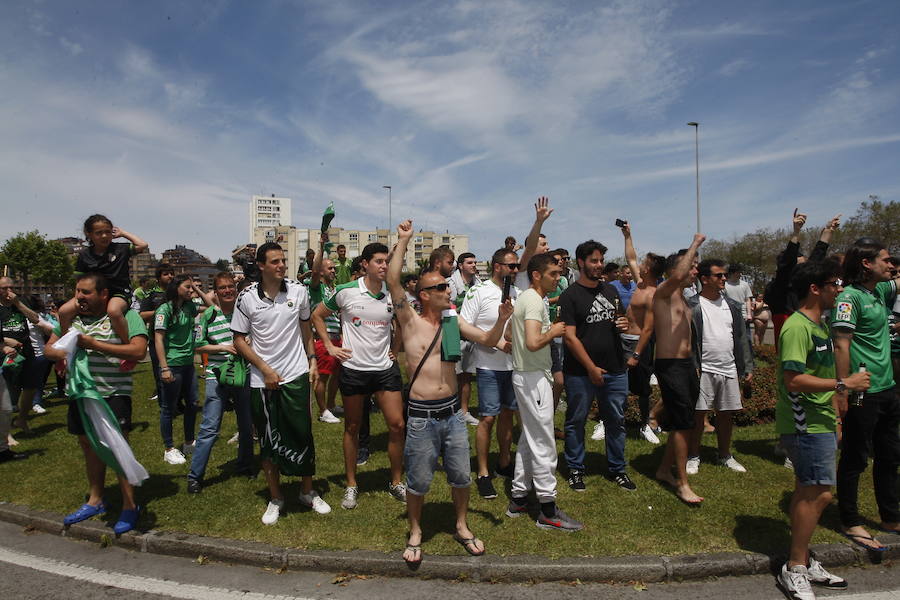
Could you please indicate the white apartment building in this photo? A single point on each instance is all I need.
(268, 211)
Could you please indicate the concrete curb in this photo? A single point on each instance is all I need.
(487, 568)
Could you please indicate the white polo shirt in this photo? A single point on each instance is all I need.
(365, 325)
(480, 310)
(274, 328)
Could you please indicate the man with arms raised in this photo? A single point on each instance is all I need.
(104, 353)
(435, 426)
(806, 419)
(274, 315)
(366, 365)
(496, 398)
(321, 287)
(638, 338)
(679, 382)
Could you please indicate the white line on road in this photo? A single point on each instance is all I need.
(131, 582)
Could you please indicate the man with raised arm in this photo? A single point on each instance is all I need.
(638, 339)
(435, 426)
(536, 242)
(679, 381)
(321, 287)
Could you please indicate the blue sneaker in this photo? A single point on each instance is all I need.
(127, 520)
(85, 512)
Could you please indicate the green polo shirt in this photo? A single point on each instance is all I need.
(804, 347)
(865, 314)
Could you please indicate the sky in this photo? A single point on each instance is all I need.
(168, 116)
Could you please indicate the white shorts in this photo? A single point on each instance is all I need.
(718, 392)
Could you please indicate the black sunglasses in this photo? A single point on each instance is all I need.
(441, 287)
(511, 265)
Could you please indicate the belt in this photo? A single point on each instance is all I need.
(440, 413)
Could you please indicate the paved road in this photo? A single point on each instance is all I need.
(39, 565)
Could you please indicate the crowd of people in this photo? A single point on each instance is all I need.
(534, 328)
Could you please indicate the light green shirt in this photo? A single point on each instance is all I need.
(179, 328)
(530, 306)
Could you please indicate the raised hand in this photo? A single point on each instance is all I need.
(626, 230)
(405, 229)
(834, 223)
(542, 210)
(799, 221)
(506, 310)
(699, 238)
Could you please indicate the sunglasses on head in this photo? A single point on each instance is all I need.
(441, 287)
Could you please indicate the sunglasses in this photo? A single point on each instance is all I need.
(441, 287)
(511, 265)
(835, 283)
(718, 275)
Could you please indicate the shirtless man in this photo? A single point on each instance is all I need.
(679, 382)
(435, 426)
(638, 339)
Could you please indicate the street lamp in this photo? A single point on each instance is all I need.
(390, 219)
(696, 127)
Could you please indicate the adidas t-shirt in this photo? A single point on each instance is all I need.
(804, 347)
(481, 310)
(865, 314)
(365, 325)
(274, 328)
(110, 381)
(215, 329)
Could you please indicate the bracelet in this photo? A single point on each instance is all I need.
(161, 369)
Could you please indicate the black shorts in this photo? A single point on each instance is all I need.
(639, 376)
(679, 387)
(26, 377)
(120, 405)
(364, 383)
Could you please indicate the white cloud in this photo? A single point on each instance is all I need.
(734, 67)
(71, 47)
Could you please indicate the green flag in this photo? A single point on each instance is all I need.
(327, 217)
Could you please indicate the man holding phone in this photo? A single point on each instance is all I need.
(493, 369)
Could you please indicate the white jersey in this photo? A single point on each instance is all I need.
(274, 328)
(365, 325)
(480, 310)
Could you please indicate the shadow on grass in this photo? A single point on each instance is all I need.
(763, 535)
(764, 449)
(647, 464)
(155, 488)
(38, 431)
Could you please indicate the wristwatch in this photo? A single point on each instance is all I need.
(635, 356)
(840, 387)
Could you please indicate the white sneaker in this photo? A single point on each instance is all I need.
(38, 409)
(795, 582)
(315, 502)
(817, 575)
(693, 465)
(732, 464)
(154, 397)
(648, 434)
(470, 420)
(599, 432)
(327, 417)
(234, 439)
(273, 511)
(350, 495)
(173, 456)
(788, 463)
(189, 448)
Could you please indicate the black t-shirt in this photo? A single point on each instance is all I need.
(113, 265)
(592, 311)
(15, 326)
(155, 298)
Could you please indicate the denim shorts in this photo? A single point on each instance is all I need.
(428, 439)
(495, 391)
(813, 455)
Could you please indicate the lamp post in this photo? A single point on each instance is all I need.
(696, 127)
(390, 219)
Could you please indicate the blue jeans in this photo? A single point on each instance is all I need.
(426, 440)
(495, 391)
(185, 385)
(611, 397)
(218, 396)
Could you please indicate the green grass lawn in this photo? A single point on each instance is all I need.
(742, 512)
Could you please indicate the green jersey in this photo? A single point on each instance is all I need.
(342, 271)
(864, 313)
(321, 293)
(179, 328)
(110, 381)
(804, 347)
(215, 330)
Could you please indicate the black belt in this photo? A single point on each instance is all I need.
(439, 413)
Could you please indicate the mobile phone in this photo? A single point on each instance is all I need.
(621, 223)
(507, 284)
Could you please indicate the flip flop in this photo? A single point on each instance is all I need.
(856, 537)
(418, 550)
(465, 542)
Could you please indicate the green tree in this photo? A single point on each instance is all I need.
(34, 259)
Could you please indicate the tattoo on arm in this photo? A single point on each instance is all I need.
(400, 304)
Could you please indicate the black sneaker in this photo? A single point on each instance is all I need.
(485, 487)
(559, 521)
(623, 481)
(508, 471)
(576, 480)
(362, 456)
(194, 486)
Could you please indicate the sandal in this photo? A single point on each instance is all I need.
(417, 552)
(857, 538)
(466, 542)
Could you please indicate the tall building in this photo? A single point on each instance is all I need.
(268, 211)
(142, 265)
(190, 262)
(286, 237)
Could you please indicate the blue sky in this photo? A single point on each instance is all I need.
(167, 116)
